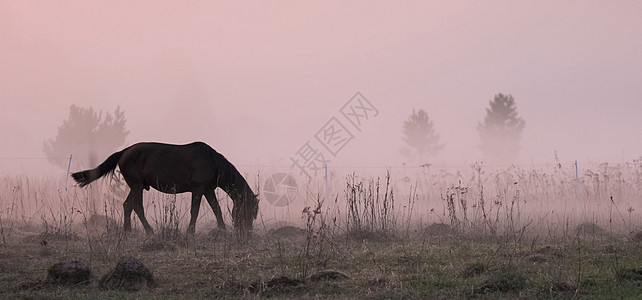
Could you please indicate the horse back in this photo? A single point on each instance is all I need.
(169, 168)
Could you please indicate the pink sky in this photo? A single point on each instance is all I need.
(258, 80)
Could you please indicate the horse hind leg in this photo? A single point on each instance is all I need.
(135, 202)
(211, 199)
(127, 210)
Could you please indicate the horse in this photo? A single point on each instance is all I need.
(173, 169)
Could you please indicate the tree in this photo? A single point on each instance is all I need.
(420, 136)
(88, 136)
(501, 131)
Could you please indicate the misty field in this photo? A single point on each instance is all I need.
(471, 232)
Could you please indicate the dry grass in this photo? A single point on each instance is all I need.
(473, 233)
(414, 267)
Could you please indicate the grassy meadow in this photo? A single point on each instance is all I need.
(414, 233)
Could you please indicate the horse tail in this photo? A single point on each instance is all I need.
(86, 177)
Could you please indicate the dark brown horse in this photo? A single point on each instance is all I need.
(172, 169)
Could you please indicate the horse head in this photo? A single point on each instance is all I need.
(245, 211)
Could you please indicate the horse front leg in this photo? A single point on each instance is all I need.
(211, 199)
(196, 205)
(127, 210)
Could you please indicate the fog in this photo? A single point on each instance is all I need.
(257, 81)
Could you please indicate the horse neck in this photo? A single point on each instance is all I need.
(235, 185)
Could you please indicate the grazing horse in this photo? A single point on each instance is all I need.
(173, 169)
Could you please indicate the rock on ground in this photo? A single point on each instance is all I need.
(68, 273)
(130, 274)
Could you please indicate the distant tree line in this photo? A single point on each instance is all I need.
(500, 133)
(87, 135)
(91, 135)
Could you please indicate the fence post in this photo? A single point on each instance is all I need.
(68, 168)
(326, 181)
(578, 206)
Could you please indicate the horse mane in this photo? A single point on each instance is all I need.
(236, 186)
(228, 175)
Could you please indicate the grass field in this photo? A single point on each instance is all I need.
(429, 233)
